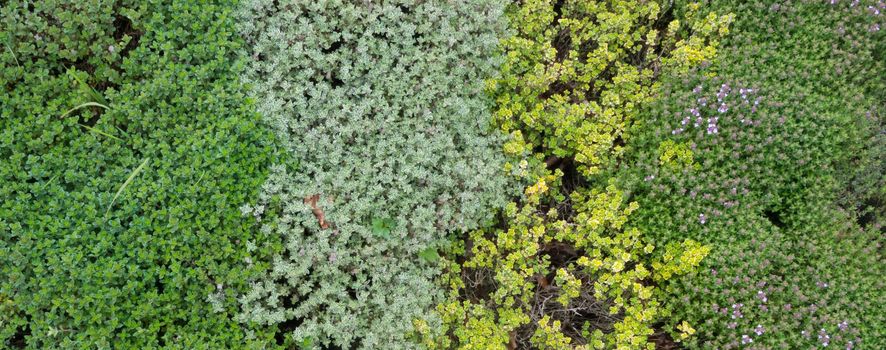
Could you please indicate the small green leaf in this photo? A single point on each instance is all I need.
(305, 344)
(382, 227)
(429, 254)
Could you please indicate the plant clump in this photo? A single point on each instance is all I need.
(127, 143)
(381, 105)
(783, 129)
(566, 269)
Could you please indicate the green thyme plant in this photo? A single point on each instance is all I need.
(118, 223)
(783, 128)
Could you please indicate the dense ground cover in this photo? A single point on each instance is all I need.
(767, 155)
(117, 222)
(471, 174)
(564, 270)
(382, 107)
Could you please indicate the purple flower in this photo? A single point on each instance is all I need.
(762, 296)
(843, 325)
(702, 220)
(712, 125)
(759, 330)
(723, 108)
(745, 339)
(824, 338)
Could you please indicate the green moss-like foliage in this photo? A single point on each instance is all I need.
(118, 223)
(786, 123)
(382, 106)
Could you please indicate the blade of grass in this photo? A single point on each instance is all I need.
(12, 53)
(125, 134)
(48, 182)
(200, 179)
(126, 183)
(82, 105)
(97, 131)
(95, 95)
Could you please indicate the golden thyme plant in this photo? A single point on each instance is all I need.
(607, 275)
(565, 271)
(572, 81)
